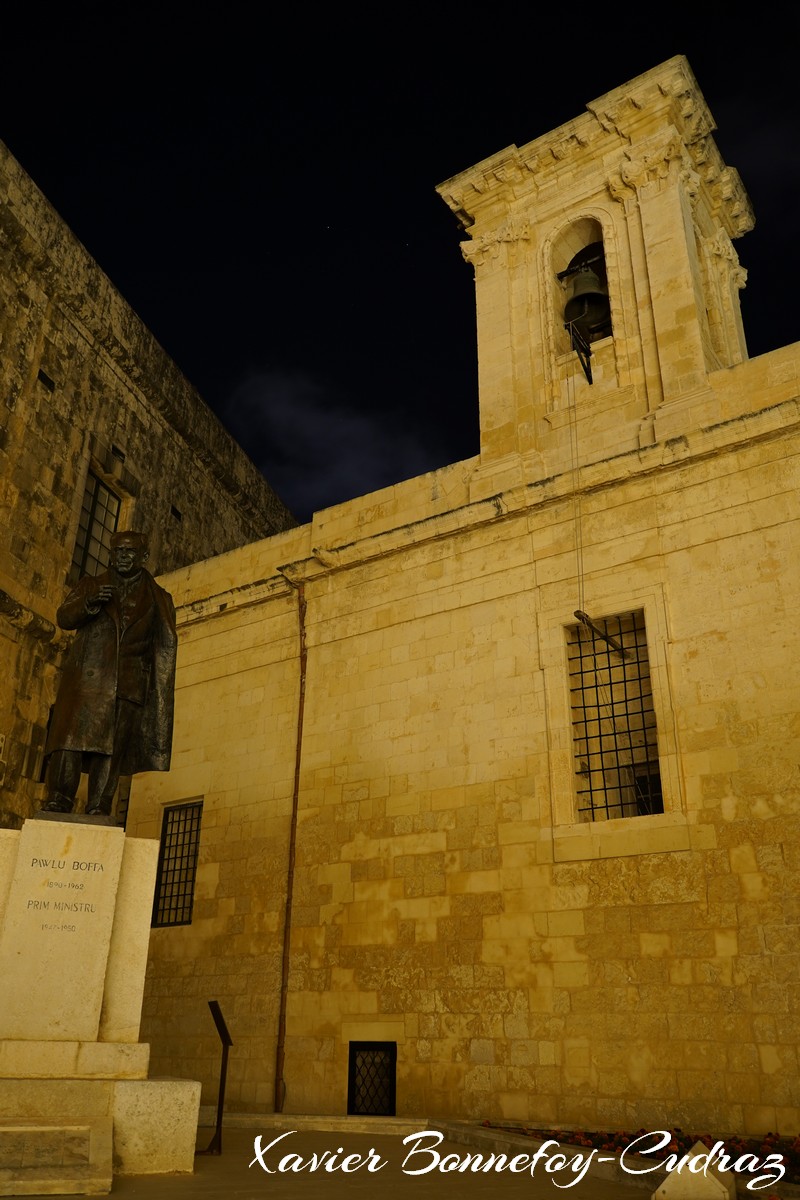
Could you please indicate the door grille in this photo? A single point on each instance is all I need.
(371, 1081)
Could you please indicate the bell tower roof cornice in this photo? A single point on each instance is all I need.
(664, 104)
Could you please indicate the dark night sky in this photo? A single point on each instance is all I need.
(261, 191)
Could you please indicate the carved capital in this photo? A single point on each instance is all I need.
(691, 184)
(721, 246)
(488, 245)
(652, 164)
(618, 189)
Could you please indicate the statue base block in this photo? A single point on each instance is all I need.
(155, 1125)
(75, 1100)
(74, 1060)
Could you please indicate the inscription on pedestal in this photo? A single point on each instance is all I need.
(56, 931)
(64, 897)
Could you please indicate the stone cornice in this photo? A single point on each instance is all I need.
(664, 106)
(670, 89)
(654, 461)
(668, 93)
(459, 192)
(701, 168)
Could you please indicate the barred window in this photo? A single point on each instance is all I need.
(177, 864)
(613, 719)
(98, 520)
(372, 1079)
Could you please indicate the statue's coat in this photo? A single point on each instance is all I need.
(128, 653)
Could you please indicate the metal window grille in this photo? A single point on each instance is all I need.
(97, 522)
(613, 720)
(123, 799)
(177, 864)
(371, 1079)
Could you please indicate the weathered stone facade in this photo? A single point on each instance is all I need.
(376, 708)
(86, 388)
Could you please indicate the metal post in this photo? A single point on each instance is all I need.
(215, 1145)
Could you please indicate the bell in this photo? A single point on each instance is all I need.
(588, 309)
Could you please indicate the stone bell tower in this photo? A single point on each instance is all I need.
(632, 205)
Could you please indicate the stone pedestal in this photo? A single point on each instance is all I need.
(75, 907)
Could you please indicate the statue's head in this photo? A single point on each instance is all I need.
(129, 551)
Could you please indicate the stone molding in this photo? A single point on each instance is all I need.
(488, 246)
(666, 98)
(25, 619)
(670, 453)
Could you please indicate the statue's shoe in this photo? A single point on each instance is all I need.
(57, 804)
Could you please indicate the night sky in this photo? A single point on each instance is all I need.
(261, 191)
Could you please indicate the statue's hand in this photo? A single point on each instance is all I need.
(100, 596)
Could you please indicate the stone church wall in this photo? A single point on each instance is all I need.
(529, 965)
(383, 719)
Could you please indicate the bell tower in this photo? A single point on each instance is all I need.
(607, 285)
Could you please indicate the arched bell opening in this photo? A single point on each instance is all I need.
(583, 308)
(587, 308)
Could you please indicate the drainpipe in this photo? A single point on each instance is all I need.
(280, 1085)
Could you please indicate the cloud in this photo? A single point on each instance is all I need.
(313, 446)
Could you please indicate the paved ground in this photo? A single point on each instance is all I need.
(230, 1176)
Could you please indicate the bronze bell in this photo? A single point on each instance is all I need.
(588, 309)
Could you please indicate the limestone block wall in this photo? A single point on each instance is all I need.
(235, 746)
(84, 387)
(444, 895)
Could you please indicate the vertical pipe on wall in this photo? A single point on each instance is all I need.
(280, 1086)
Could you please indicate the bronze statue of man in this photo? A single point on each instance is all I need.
(113, 712)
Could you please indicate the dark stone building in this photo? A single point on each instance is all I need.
(98, 430)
